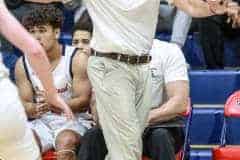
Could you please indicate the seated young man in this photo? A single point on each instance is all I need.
(68, 66)
(82, 32)
(164, 136)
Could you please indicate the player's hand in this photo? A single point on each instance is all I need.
(41, 108)
(37, 110)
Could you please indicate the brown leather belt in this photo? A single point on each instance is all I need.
(146, 58)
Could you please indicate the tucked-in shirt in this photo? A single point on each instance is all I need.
(123, 26)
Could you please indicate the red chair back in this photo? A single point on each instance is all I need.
(226, 153)
(232, 106)
(231, 109)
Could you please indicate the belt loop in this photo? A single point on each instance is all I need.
(119, 57)
(138, 59)
(148, 58)
(95, 53)
(128, 59)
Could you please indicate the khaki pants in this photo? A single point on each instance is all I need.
(123, 101)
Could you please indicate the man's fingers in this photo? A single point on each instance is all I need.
(233, 13)
(42, 107)
(69, 116)
(68, 113)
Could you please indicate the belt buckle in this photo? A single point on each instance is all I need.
(128, 59)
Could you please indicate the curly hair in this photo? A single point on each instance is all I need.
(43, 14)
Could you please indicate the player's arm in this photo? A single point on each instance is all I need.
(178, 93)
(94, 109)
(25, 90)
(17, 35)
(81, 84)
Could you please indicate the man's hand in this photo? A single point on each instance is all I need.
(228, 7)
(151, 117)
(218, 7)
(233, 12)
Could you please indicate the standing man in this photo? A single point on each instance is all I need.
(16, 139)
(163, 137)
(118, 68)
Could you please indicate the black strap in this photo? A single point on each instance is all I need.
(28, 75)
(71, 61)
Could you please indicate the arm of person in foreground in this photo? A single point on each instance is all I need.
(33, 109)
(17, 35)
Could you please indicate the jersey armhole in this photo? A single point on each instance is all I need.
(28, 75)
(71, 61)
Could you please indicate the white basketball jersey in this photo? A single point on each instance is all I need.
(62, 74)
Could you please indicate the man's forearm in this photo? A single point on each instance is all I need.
(162, 118)
(172, 108)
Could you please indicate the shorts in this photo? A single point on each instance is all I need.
(50, 125)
